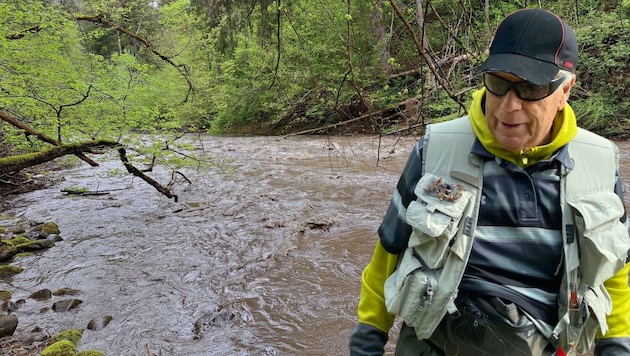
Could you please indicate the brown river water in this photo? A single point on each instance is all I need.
(261, 257)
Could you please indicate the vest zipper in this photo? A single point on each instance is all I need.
(427, 298)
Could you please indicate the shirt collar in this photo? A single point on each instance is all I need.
(561, 155)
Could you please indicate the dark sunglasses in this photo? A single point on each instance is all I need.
(523, 90)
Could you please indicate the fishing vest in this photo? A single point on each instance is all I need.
(423, 288)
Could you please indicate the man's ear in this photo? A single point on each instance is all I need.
(566, 91)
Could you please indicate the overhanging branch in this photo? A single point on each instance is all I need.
(101, 20)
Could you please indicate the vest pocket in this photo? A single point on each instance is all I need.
(597, 305)
(410, 289)
(603, 238)
(434, 217)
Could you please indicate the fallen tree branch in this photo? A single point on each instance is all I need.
(78, 191)
(136, 172)
(332, 126)
(18, 162)
(5, 116)
(355, 119)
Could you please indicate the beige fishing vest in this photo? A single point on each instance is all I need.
(443, 219)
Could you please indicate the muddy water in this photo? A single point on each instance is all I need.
(276, 240)
(278, 237)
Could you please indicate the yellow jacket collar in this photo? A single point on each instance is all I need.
(564, 129)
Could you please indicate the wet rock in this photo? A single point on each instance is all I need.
(74, 335)
(99, 323)
(66, 291)
(35, 245)
(274, 224)
(50, 227)
(40, 295)
(318, 222)
(218, 318)
(16, 230)
(66, 305)
(7, 252)
(8, 324)
(5, 295)
(24, 342)
(54, 238)
(16, 240)
(9, 306)
(9, 271)
(60, 348)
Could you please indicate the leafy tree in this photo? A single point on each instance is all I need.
(108, 69)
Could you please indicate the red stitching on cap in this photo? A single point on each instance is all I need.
(561, 43)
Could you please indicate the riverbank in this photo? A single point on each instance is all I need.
(22, 239)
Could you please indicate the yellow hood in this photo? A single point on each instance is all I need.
(564, 129)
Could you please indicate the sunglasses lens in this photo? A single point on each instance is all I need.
(524, 90)
(528, 91)
(496, 85)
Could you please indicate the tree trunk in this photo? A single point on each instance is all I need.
(420, 19)
(381, 38)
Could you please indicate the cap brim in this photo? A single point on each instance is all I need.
(529, 69)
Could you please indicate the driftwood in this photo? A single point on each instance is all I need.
(79, 191)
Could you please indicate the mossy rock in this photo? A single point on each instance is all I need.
(60, 348)
(35, 245)
(51, 228)
(7, 252)
(7, 271)
(90, 353)
(5, 295)
(16, 241)
(17, 230)
(73, 335)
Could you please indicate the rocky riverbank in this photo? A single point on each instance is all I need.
(19, 240)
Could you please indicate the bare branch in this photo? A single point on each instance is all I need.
(428, 60)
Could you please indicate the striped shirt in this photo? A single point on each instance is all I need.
(517, 247)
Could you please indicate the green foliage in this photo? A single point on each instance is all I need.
(299, 63)
(599, 113)
(603, 67)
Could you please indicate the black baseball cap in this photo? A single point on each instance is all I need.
(533, 44)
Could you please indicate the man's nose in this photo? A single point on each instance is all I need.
(511, 102)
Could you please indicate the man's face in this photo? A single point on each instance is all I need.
(519, 125)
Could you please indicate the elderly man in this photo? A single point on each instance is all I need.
(507, 232)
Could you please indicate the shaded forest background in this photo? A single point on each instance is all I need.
(86, 75)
